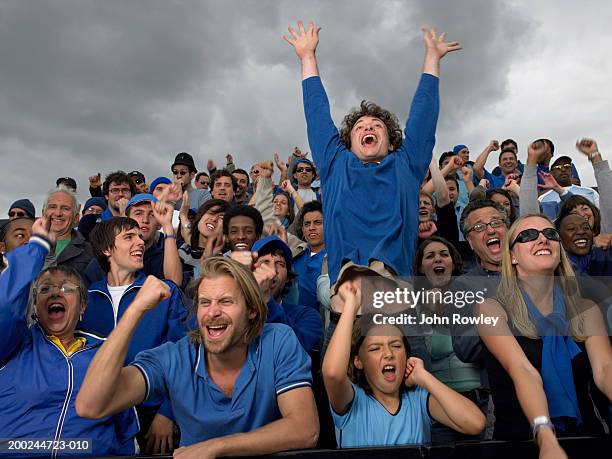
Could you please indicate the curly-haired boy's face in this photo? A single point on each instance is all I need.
(370, 139)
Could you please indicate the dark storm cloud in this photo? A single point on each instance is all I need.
(89, 86)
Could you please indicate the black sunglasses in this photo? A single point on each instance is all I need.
(303, 169)
(13, 214)
(531, 234)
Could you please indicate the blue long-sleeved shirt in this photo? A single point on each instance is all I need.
(370, 210)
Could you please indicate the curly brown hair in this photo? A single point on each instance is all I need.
(371, 109)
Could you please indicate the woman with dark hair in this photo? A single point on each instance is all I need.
(378, 393)
(503, 197)
(206, 236)
(547, 352)
(436, 263)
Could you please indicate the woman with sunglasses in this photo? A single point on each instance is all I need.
(548, 345)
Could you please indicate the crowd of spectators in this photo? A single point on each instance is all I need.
(223, 312)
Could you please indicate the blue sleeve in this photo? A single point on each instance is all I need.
(24, 266)
(307, 324)
(291, 363)
(323, 136)
(276, 313)
(153, 364)
(177, 314)
(423, 398)
(420, 128)
(126, 429)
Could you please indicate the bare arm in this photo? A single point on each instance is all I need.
(446, 405)
(603, 177)
(336, 361)
(109, 387)
(305, 42)
(479, 164)
(297, 429)
(438, 183)
(526, 379)
(173, 269)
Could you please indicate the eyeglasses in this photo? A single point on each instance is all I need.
(480, 227)
(531, 234)
(120, 190)
(562, 167)
(304, 169)
(67, 288)
(15, 214)
(177, 172)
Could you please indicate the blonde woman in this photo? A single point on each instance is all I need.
(548, 344)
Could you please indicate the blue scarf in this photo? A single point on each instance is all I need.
(558, 350)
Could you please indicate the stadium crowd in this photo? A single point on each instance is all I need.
(218, 313)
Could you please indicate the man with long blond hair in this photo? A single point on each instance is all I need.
(237, 386)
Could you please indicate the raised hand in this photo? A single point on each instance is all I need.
(587, 146)
(493, 145)
(265, 169)
(229, 159)
(95, 181)
(277, 230)
(163, 212)
(455, 163)
(427, 229)
(282, 166)
(466, 174)
(350, 293)
(152, 292)
(511, 184)
(549, 182)
(304, 41)
(264, 275)
(484, 183)
(244, 257)
(42, 227)
(210, 165)
(536, 152)
(287, 186)
(214, 244)
(298, 153)
(435, 44)
(122, 204)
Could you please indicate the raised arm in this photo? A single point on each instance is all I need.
(603, 177)
(173, 270)
(435, 49)
(108, 386)
(446, 405)
(24, 266)
(481, 160)
(305, 42)
(336, 361)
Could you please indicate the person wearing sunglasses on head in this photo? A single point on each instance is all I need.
(43, 363)
(548, 355)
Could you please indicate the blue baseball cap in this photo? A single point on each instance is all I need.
(142, 197)
(157, 181)
(268, 244)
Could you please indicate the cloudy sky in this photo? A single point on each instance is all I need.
(91, 86)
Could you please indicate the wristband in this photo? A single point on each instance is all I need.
(539, 423)
(169, 236)
(592, 155)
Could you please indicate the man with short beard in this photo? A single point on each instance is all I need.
(119, 248)
(241, 195)
(232, 356)
(161, 258)
(223, 185)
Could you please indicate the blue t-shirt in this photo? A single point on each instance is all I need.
(308, 268)
(368, 423)
(370, 210)
(275, 364)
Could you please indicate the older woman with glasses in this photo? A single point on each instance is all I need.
(548, 345)
(43, 364)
